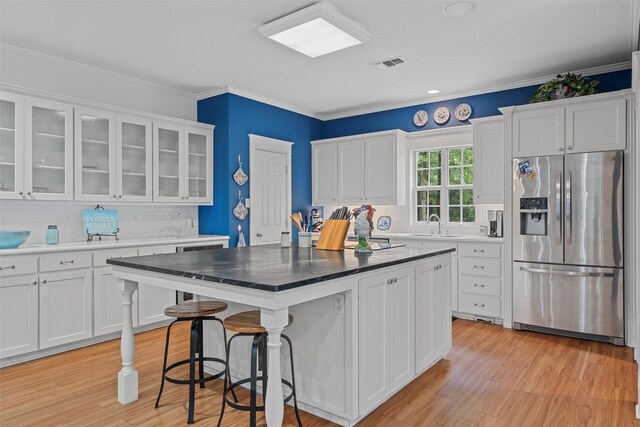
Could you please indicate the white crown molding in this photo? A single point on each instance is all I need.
(99, 70)
(448, 96)
(257, 97)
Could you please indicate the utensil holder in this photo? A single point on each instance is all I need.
(304, 239)
(333, 235)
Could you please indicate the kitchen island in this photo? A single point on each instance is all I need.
(394, 311)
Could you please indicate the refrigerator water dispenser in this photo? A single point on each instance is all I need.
(533, 216)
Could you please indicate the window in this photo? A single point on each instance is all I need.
(444, 185)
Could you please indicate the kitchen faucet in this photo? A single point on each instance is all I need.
(439, 223)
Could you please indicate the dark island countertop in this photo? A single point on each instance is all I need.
(271, 268)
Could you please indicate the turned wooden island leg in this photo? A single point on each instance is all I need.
(274, 322)
(128, 375)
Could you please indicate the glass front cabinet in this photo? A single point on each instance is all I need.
(36, 149)
(183, 156)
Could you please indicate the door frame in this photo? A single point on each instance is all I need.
(263, 143)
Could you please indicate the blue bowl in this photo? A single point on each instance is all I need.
(13, 239)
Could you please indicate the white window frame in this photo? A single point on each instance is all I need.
(444, 187)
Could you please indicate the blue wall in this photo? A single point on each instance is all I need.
(235, 117)
(483, 105)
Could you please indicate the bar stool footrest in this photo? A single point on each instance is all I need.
(197, 381)
(240, 407)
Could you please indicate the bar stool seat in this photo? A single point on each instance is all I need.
(247, 324)
(191, 309)
(195, 312)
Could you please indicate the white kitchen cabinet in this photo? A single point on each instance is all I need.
(182, 159)
(575, 125)
(152, 300)
(324, 170)
(48, 150)
(596, 125)
(480, 279)
(95, 155)
(133, 159)
(107, 302)
(18, 315)
(371, 168)
(488, 160)
(433, 312)
(386, 336)
(11, 146)
(351, 166)
(65, 307)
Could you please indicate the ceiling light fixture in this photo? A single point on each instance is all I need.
(433, 91)
(316, 30)
(458, 8)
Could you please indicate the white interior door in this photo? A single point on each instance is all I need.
(270, 189)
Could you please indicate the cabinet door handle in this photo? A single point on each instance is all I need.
(8, 267)
(120, 196)
(20, 193)
(28, 193)
(66, 262)
(476, 251)
(389, 281)
(478, 285)
(395, 280)
(35, 282)
(569, 147)
(560, 148)
(479, 267)
(259, 234)
(115, 196)
(478, 305)
(43, 282)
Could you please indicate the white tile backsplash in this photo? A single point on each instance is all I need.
(136, 221)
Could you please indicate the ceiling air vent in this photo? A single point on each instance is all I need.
(388, 63)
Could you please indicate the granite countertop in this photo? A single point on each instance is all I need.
(436, 238)
(109, 243)
(271, 268)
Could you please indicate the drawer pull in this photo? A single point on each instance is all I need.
(9, 267)
(66, 262)
(479, 267)
(475, 251)
(478, 285)
(478, 305)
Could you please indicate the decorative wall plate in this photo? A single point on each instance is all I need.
(462, 112)
(239, 176)
(384, 223)
(441, 115)
(420, 118)
(240, 211)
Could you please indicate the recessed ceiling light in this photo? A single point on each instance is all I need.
(433, 91)
(316, 30)
(458, 8)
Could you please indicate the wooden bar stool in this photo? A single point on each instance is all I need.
(195, 312)
(247, 324)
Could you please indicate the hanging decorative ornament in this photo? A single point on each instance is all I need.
(239, 176)
(240, 211)
(241, 241)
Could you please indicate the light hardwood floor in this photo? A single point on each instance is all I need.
(492, 377)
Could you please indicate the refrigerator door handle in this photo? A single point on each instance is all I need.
(568, 209)
(559, 207)
(566, 273)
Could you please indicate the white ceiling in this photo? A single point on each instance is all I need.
(196, 46)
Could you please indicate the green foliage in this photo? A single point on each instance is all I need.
(565, 86)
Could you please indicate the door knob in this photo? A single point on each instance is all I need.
(259, 234)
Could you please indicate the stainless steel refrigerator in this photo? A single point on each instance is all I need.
(568, 245)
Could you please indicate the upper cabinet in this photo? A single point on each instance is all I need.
(576, 125)
(368, 168)
(183, 159)
(36, 149)
(56, 151)
(488, 160)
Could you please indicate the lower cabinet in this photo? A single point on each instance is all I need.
(65, 307)
(107, 303)
(433, 311)
(152, 300)
(386, 336)
(18, 315)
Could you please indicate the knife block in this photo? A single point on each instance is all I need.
(333, 235)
